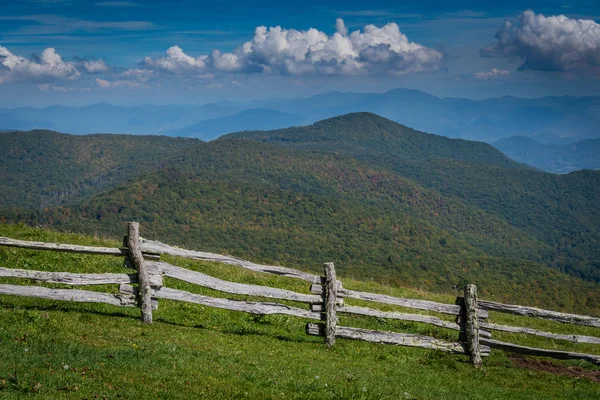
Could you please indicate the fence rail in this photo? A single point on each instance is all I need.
(325, 301)
(540, 313)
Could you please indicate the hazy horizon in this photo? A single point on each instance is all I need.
(257, 99)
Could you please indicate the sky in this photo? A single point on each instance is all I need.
(75, 52)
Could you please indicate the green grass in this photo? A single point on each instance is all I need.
(61, 350)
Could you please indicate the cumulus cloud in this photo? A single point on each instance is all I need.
(340, 27)
(138, 74)
(95, 66)
(105, 84)
(293, 52)
(275, 50)
(554, 43)
(46, 87)
(47, 67)
(176, 61)
(494, 73)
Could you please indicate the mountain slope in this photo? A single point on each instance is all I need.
(258, 118)
(368, 136)
(45, 168)
(558, 158)
(555, 209)
(380, 198)
(269, 224)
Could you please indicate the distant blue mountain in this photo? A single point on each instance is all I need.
(558, 158)
(106, 118)
(547, 119)
(558, 120)
(253, 119)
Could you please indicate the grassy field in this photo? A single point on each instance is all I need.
(60, 350)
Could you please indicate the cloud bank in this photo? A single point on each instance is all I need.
(47, 67)
(494, 73)
(554, 43)
(277, 50)
(371, 51)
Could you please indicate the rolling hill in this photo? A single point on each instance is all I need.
(556, 209)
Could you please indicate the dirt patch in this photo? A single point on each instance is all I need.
(558, 369)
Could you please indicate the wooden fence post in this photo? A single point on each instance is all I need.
(330, 303)
(136, 257)
(472, 325)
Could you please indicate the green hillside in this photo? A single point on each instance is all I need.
(368, 136)
(305, 230)
(62, 350)
(560, 210)
(43, 168)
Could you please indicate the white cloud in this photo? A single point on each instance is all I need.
(47, 67)
(45, 87)
(340, 27)
(374, 50)
(554, 43)
(176, 61)
(139, 74)
(494, 73)
(95, 66)
(105, 84)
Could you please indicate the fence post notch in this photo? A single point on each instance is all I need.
(136, 257)
(330, 303)
(472, 325)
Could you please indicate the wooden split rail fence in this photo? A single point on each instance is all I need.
(325, 302)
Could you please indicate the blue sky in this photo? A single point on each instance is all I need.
(133, 52)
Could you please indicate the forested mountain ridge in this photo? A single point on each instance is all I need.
(271, 225)
(553, 208)
(382, 200)
(368, 136)
(43, 168)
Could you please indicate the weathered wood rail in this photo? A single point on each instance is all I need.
(325, 302)
(154, 247)
(540, 313)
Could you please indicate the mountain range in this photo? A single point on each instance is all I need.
(253, 119)
(558, 158)
(548, 119)
(382, 200)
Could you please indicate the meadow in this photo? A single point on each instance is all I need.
(66, 350)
